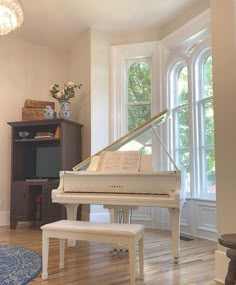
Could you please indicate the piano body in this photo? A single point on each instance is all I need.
(121, 178)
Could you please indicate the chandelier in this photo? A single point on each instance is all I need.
(11, 15)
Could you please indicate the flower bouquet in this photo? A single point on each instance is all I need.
(64, 94)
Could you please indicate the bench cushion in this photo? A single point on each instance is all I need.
(90, 227)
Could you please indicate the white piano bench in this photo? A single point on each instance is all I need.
(127, 234)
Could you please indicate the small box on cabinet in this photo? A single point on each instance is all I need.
(29, 103)
(30, 114)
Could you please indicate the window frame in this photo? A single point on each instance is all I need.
(119, 56)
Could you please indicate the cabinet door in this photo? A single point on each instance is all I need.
(51, 211)
(19, 201)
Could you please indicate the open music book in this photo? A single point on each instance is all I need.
(121, 161)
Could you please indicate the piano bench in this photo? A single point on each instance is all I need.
(100, 232)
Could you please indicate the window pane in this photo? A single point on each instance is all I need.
(139, 94)
(208, 173)
(208, 119)
(183, 87)
(182, 154)
(183, 162)
(182, 128)
(137, 115)
(207, 169)
(142, 143)
(139, 82)
(208, 151)
(207, 77)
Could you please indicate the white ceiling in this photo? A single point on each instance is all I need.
(60, 22)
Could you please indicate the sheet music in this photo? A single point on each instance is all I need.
(121, 161)
(94, 163)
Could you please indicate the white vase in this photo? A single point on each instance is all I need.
(48, 112)
(64, 112)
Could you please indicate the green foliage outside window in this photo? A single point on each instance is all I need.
(207, 75)
(208, 127)
(139, 94)
(182, 123)
(183, 87)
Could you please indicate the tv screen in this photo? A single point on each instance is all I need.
(48, 162)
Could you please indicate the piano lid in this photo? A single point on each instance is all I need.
(140, 134)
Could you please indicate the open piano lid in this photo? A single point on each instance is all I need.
(141, 130)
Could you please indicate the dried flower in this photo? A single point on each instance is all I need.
(38, 198)
(65, 93)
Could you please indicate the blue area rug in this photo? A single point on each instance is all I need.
(18, 265)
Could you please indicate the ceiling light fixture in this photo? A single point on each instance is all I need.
(11, 15)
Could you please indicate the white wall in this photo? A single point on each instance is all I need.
(224, 75)
(135, 37)
(138, 36)
(100, 50)
(26, 71)
(89, 63)
(80, 72)
(184, 17)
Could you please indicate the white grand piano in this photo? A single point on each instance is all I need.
(120, 177)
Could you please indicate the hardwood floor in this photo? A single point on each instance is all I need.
(91, 263)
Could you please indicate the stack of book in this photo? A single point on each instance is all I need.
(42, 135)
(34, 109)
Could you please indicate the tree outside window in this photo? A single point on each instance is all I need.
(181, 129)
(139, 94)
(139, 99)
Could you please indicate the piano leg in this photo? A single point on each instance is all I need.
(71, 212)
(122, 215)
(175, 227)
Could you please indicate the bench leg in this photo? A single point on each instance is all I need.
(45, 240)
(62, 253)
(132, 261)
(71, 212)
(140, 245)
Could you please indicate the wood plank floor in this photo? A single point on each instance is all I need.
(91, 263)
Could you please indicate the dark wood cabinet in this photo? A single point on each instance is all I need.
(50, 146)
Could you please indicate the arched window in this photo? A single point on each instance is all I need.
(135, 88)
(191, 98)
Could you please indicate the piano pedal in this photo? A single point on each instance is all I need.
(119, 249)
(176, 260)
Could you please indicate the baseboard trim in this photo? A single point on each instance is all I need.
(100, 217)
(221, 266)
(4, 218)
(218, 282)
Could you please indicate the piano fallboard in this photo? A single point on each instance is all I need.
(161, 183)
(140, 200)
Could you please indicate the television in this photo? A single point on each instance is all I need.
(47, 162)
